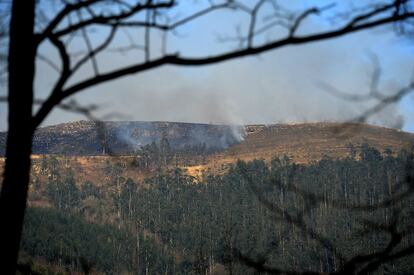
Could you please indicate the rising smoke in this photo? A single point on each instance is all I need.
(278, 87)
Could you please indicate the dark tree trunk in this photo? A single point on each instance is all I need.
(21, 70)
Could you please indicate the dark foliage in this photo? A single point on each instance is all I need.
(330, 216)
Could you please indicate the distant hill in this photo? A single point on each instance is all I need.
(311, 141)
(301, 142)
(86, 138)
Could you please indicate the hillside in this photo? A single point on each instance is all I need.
(170, 223)
(153, 206)
(307, 142)
(219, 146)
(303, 141)
(87, 138)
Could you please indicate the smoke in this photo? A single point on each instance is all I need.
(126, 136)
(277, 87)
(131, 136)
(389, 117)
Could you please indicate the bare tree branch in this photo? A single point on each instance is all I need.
(111, 19)
(177, 60)
(89, 47)
(63, 13)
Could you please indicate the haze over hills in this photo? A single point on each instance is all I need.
(87, 138)
(302, 142)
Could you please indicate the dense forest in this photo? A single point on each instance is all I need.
(257, 217)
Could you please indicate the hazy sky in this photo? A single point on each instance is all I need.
(279, 86)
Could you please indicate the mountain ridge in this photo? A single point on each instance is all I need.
(301, 141)
(88, 138)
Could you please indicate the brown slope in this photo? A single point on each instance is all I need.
(302, 143)
(306, 142)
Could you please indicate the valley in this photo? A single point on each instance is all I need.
(293, 195)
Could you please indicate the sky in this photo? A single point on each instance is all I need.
(280, 86)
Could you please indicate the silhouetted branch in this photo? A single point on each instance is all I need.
(359, 22)
(109, 20)
(94, 52)
(91, 52)
(304, 15)
(381, 99)
(394, 98)
(176, 60)
(253, 15)
(147, 38)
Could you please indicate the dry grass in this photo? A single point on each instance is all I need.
(302, 143)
